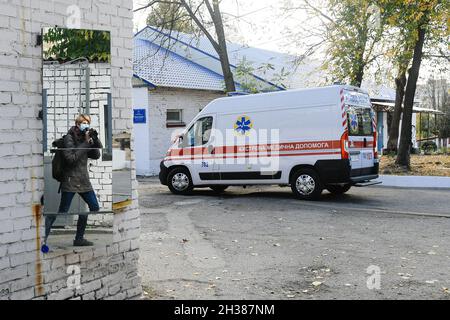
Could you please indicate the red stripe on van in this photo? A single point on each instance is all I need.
(276, 147)
(188, 151)
(255, 156)
(279, 147)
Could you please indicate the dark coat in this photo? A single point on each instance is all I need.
(76, 155)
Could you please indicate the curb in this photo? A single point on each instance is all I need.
(415, 181)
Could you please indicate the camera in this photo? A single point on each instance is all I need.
(93, 134)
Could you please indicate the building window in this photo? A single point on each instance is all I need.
(174, 118)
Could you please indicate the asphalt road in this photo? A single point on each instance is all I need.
(261, 243)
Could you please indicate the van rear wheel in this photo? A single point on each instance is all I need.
(218, 189)
(306, 185)
(179, 181)
(337, 189)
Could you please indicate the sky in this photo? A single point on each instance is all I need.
(264, 24)
(257, 23)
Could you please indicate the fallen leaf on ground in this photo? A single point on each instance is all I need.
(316, 283)
(431, 281)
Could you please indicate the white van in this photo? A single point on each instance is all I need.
(309, 139)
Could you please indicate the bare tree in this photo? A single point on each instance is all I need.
(196, 11)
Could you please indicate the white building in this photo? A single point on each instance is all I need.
(383, 101)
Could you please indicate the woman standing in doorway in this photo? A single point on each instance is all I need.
(80, 144)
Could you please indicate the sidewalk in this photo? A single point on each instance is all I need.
(414, 181)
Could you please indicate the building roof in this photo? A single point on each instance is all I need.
(174, 59)
(159, 67)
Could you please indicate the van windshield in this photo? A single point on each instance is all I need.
(359, 121)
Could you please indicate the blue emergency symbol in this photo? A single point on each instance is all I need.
(354, 121)
(243, 125)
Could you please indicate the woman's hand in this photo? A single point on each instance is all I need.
(87, 137)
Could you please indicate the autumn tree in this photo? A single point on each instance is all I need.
(400, 53)
(349, 32)
(420, 17)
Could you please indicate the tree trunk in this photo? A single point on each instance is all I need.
(359, 76)
(403, 156)
(220, 45)
(394, 127)
(223, 53)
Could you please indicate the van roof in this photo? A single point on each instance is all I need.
(295, 97)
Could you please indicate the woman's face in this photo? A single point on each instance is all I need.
(83, 125)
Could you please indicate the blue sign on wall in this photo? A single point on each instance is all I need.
(139, 116)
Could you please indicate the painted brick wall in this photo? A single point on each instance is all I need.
(108, 272)
(161, 99)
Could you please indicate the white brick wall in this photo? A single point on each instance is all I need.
(24, 272)
(161, 99)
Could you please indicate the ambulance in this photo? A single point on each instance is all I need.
(308, 139)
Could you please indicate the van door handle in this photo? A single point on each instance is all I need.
(365, 142)
(211, 149)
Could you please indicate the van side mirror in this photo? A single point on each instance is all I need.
(178, 139)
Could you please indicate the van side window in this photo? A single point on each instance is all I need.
(200, 132)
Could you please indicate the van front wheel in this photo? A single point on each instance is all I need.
(306, 185)
(337, 189)
(179, 181)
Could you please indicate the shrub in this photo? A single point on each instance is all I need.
(428, 147)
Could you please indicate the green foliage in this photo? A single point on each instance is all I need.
(170, 16)
(244, 75)
(403, 18)
(68, 44)
(428, 147)
(444, 123)
(354, 30)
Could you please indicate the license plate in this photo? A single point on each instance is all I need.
(368, 156)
